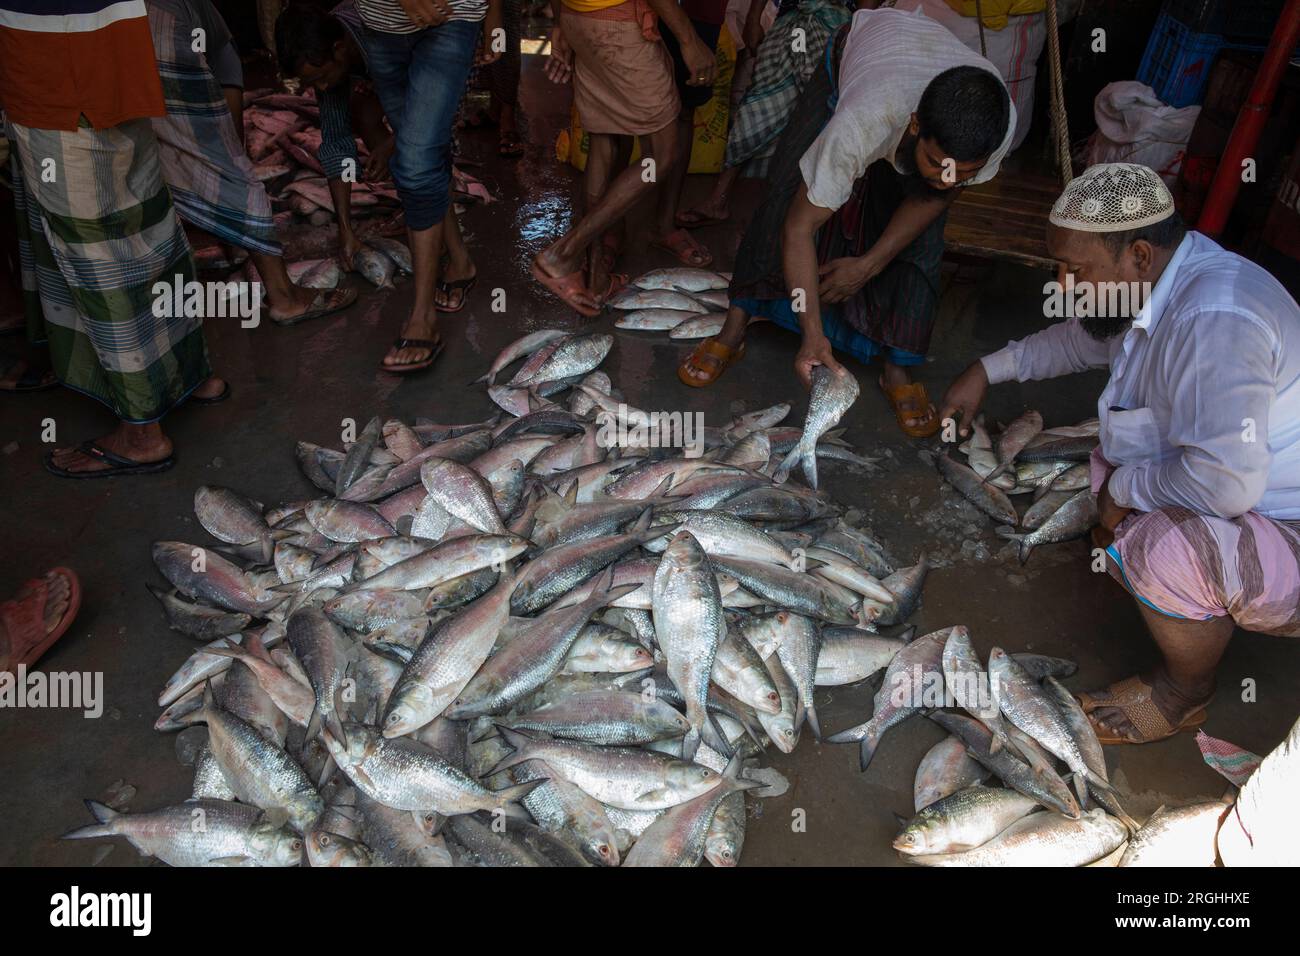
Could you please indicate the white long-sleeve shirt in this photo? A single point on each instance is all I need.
(1202, 409)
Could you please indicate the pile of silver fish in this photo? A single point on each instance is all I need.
(1013, 721)
(529, 640)
(1051, 464)
(686, 303)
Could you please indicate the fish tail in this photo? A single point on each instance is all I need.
(867, 749)
(507, 798)
(521, 744)
(813, 722)
(313, 724)
(713, 736)
(102, 827)
(1026, 548)
(690, 744)
(852, 735)
(787, 465)
(335, 727)
(809, 461)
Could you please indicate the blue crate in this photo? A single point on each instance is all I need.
(1177, 61)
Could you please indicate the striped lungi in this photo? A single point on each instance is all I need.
(1189, 565)
(203, 159)
(96, 231)
(897, 308)
(781, 70)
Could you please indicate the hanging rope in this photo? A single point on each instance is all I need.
(1060, 125)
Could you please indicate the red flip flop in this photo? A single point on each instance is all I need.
(26, 638)
(686, 248)
(565, 289)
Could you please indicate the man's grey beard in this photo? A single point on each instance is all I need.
(1102, 328)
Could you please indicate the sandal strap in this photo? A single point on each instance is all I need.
(1133, 698)
(24, 619)
(92, 450)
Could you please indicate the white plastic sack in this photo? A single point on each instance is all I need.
(1134, 126)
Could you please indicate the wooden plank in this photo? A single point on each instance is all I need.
(1005, 219)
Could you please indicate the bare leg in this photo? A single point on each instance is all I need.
(459, 263)
(673, 180)
(716, 206)
(602, 157)
(1183, 681)
(566, 254)
(426, 251)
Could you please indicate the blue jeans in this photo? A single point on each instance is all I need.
(420, 78)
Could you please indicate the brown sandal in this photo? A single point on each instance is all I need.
(1133, 696)
(710, 359)
(907, 401)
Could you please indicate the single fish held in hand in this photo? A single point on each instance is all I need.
(833, 393)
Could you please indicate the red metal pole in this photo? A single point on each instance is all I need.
(1250, 122)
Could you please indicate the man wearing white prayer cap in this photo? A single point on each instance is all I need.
(1197, 476)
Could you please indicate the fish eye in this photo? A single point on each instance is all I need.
(603, 850)
(296, 845)
(323, 839)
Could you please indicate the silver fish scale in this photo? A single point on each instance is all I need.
(575, 356)
(798, 652)
(605, 717)
(396, 839)
(677, 838)
(228, 830)
(561, 807)
(319, 645)
(259, 772)
(209, 780)
(406, 776)
(1042, 839)
(726, 836)
(1029, 708)
(563, 568)
(688, 621)
(621, 776)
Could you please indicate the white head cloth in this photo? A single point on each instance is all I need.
(1113, 197)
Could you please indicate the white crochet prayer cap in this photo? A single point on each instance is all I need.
(1113, 197)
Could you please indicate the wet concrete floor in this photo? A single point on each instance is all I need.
(292, 384)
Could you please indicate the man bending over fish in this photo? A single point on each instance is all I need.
(1198, 472)
(846, 245)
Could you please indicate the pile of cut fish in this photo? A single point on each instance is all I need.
(513, 642)
(685, 303)
(1050, 464)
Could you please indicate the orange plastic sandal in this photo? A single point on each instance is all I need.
(909, 401)
(709, 360)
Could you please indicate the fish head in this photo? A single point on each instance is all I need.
(780, 728)
(692, 778)
(274, 842)
(408, 709)
(720, 849)
(917, 837)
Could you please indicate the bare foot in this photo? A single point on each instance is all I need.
(425, 327)
(210, 389)
(453, 272)
(138, 443)
(300, 300)
(894, 376)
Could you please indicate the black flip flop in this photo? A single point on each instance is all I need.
(119, 465)
(462, 286)
(216, 399)
(433, 345)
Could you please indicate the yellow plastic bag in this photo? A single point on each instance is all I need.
(709, 142)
